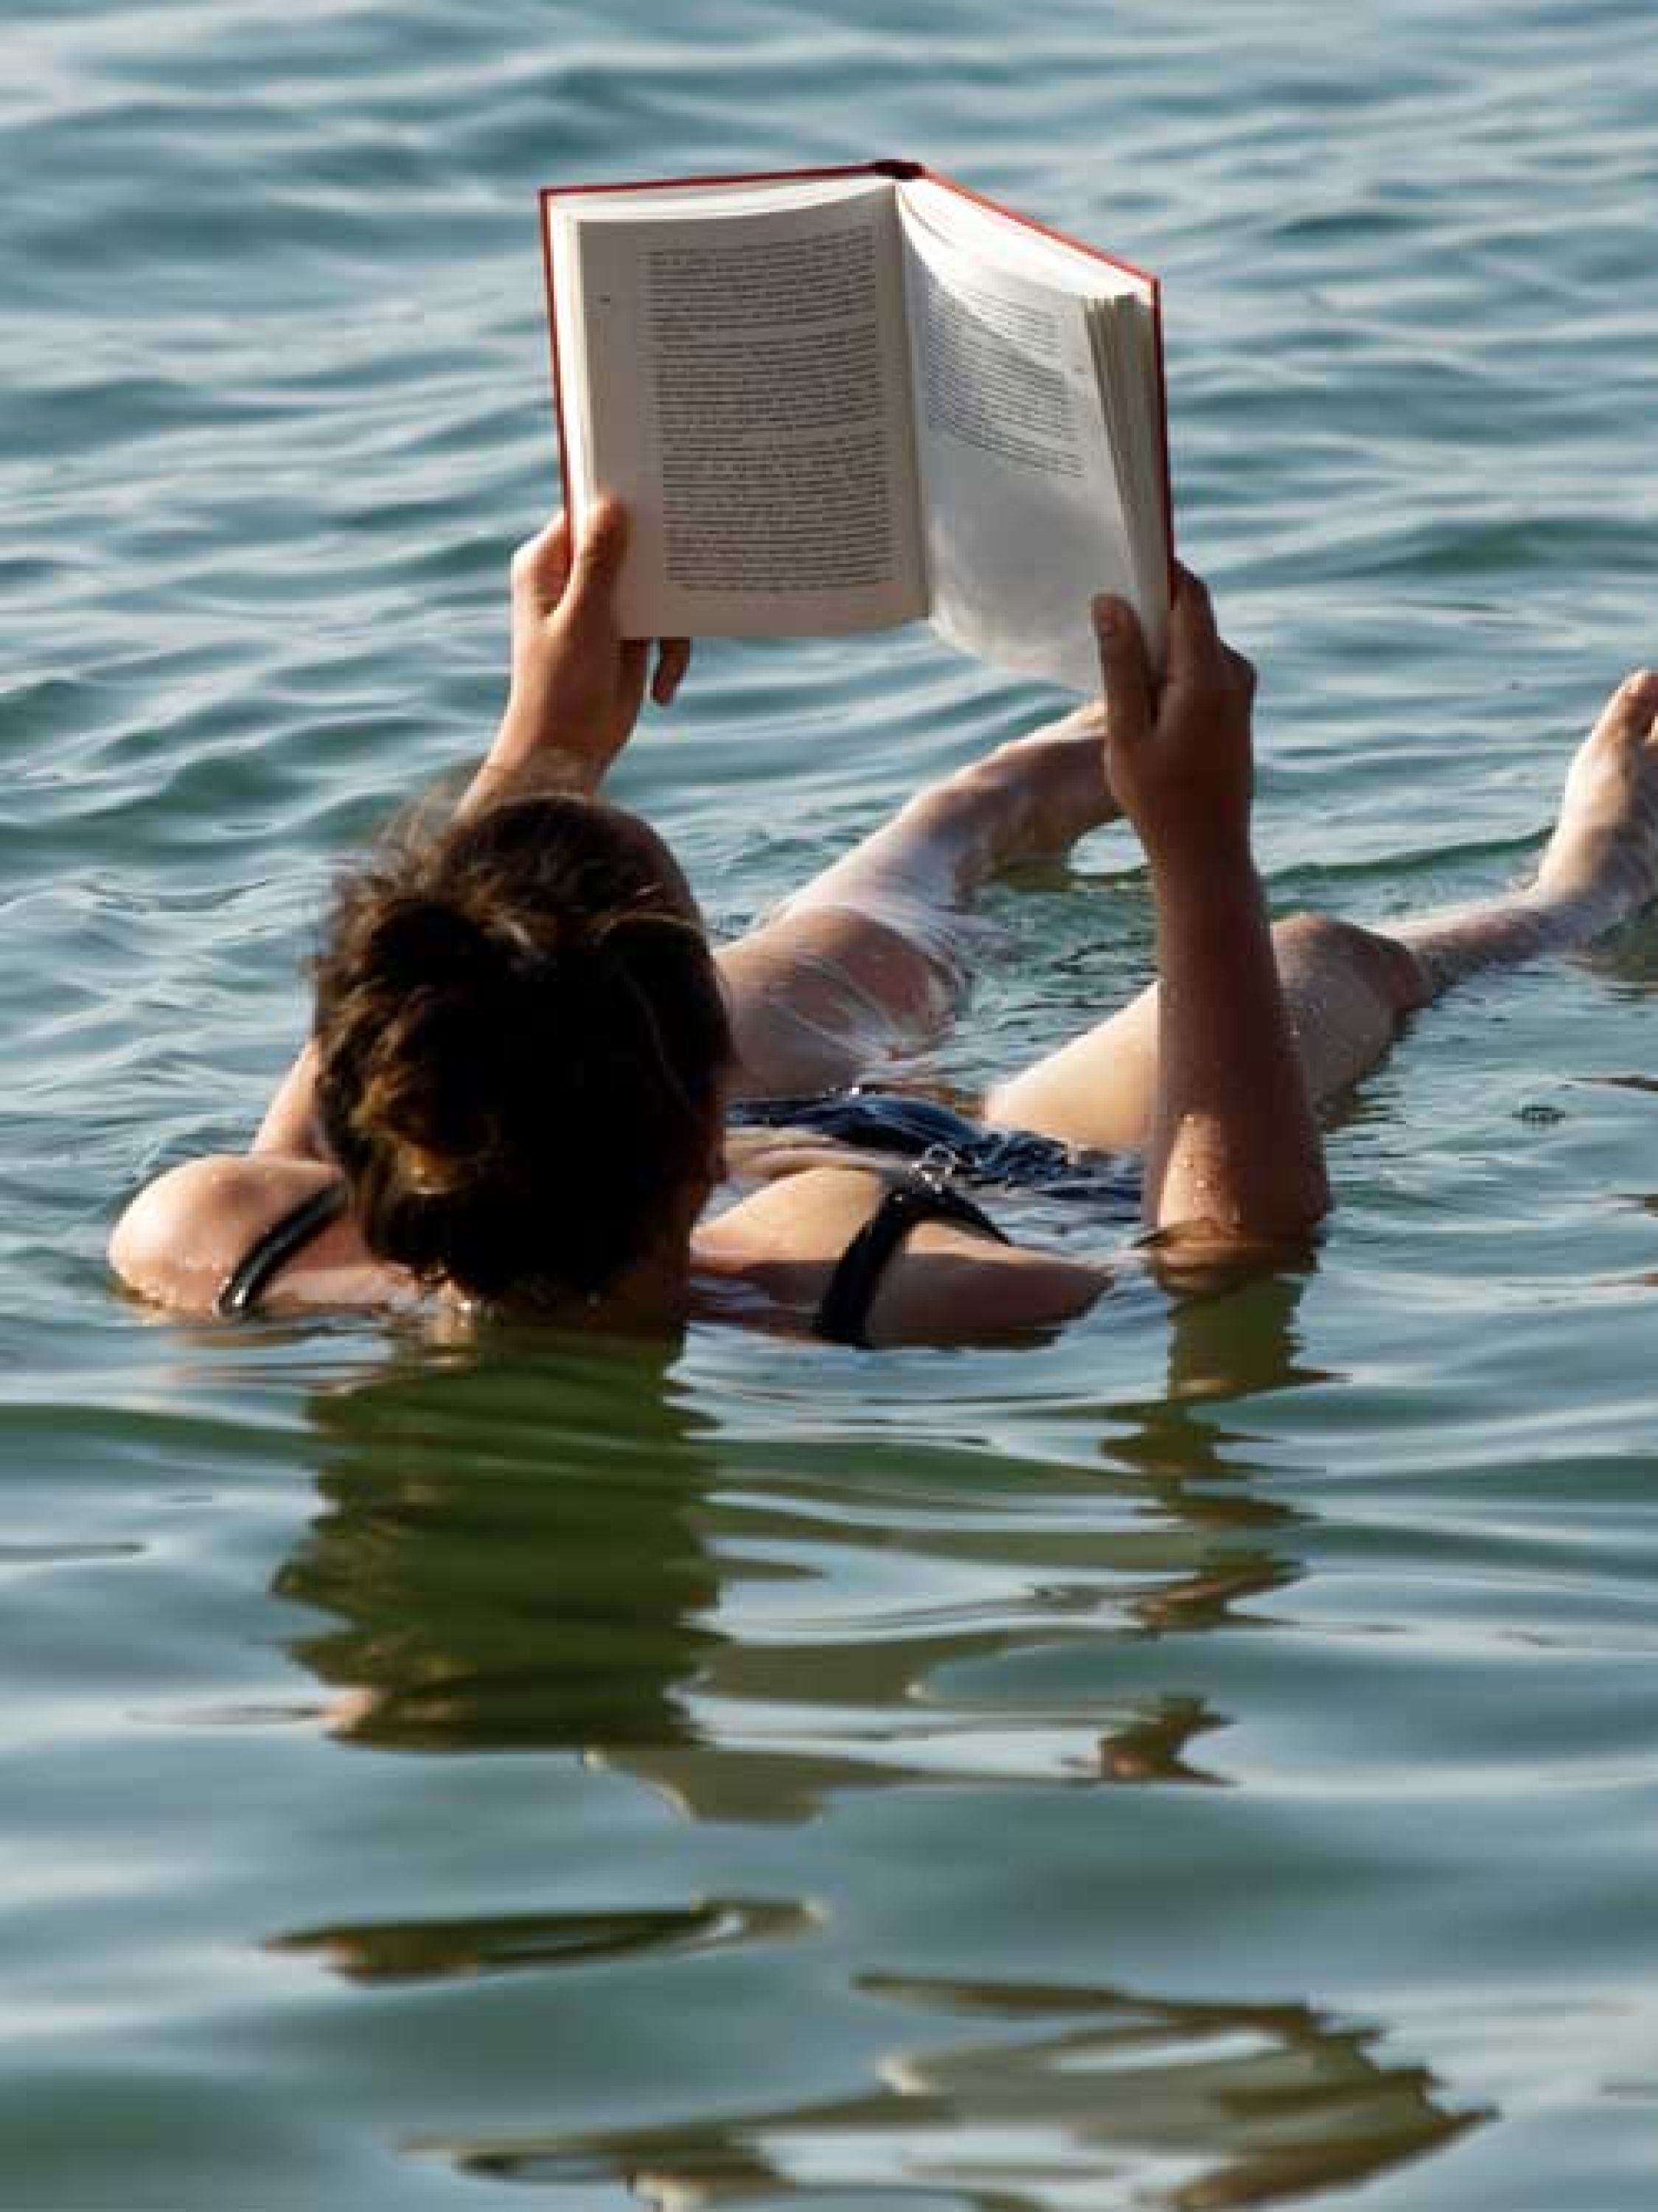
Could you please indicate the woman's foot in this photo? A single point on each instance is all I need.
(1602, 863)
(1032, 798)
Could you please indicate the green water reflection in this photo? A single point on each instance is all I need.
(509, 1547)
(566, 1553)
(1055, 2092)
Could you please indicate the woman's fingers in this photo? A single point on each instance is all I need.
(1194, 644)
(1125, 671)
(1242, 668)
(1200, 658)
(673, 658)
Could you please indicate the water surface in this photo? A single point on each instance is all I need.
(1205, 1760)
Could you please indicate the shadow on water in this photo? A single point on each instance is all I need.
(566, 1550)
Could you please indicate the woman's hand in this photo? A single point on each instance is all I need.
(577, 686)
(1178, 753)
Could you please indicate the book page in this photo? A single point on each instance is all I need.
(1023, 514)
(746, 392)
(994, 234)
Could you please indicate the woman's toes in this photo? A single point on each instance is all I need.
(1628, 714)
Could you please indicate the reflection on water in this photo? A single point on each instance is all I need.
(509, 1547)
(1154, 1749)
(559, 1550)
(435, 1950)
(1056, 2092)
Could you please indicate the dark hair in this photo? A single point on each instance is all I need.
(520, 1039)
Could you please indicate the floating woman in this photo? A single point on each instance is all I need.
(533, 1086)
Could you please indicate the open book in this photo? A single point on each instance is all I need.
(850, 398)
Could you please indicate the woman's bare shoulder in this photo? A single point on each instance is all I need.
(947, 1284)
(181, 1237)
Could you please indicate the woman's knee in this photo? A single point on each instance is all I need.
(1323, 947)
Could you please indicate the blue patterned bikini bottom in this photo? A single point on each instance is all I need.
(954, 1147)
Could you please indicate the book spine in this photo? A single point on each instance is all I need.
(552, 349)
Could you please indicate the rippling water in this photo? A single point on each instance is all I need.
(1207, 1761)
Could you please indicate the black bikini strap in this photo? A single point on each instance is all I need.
(271, 1251)
(843, 1317)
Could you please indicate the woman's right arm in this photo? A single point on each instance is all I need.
(1234, 1159)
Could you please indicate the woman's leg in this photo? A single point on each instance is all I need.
(1346, 987)
(868, 961)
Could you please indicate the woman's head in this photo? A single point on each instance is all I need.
(522, 1043)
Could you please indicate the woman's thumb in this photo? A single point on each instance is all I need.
(599, 552)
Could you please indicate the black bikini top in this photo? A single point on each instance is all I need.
(842, 1318)
(271, 1250)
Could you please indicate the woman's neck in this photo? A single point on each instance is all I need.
(652, 1298)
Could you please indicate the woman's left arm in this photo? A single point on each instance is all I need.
(574, 696)
(577, 684)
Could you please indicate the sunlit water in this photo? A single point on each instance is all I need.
(1207, 1760)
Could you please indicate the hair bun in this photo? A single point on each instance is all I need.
(432, 943)
(522, 1047)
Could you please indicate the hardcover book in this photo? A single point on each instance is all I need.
(845, 398)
